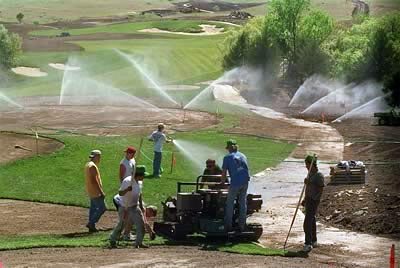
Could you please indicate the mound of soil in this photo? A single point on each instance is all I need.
(375, 206)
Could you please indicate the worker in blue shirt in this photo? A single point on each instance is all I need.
(235, 163)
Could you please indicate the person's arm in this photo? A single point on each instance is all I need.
(150, 137)
(223, 176)
(123, 192)
(141, 203)
(124, 188)
(122, 170)
(224, 170)
(93, 177)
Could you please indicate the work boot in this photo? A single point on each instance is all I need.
(92, 228)
(152, 236)
(307, 248)
(141, 246)
(113, 244)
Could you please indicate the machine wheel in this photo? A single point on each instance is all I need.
(382, 121)
(255, 230)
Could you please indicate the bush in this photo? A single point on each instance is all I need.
(290, 33)
(10, 48)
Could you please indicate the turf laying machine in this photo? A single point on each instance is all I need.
(201, 211)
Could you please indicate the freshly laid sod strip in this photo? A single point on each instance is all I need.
(58, 177)
(101, 240)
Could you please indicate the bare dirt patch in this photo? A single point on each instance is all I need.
(42, 112)
(26, 146)
(31, 218)
(173, 256)
(217, 5)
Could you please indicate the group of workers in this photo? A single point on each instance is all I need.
(130, 205)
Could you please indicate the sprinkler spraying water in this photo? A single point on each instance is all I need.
(78, 88)
(9, 101)
(312, 90)
(148, 78)
(197, 153)
(343, 100)
(366, 110)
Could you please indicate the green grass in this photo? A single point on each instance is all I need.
(100, 240)
(58, 177)
(183, 60)
(189, 26)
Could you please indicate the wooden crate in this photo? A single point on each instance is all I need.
(347, 176)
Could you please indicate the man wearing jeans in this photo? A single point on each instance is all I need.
(94, 189)
(158, 137)
(235, 163)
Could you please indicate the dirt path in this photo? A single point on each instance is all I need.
(281, 188)
(155, 257)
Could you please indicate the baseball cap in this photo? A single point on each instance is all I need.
(230, 143)
(311, 158)
(93, 153)
(130, 149)
(141, 171)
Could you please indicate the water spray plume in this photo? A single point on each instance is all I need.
(366, 110)
(312, 90)
(197, 153)
(345, 99)
(78, 88)
(151, 81)
(225, 83)
(9, 101)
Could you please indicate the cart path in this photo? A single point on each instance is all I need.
(281, 188)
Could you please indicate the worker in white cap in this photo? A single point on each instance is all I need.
(158, 137)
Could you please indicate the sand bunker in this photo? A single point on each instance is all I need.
(63, 67)
(180, 87)
(28, 71)
(206, 30)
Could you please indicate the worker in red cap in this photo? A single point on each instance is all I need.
(127, 164)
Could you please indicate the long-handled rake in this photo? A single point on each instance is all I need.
(298, 203)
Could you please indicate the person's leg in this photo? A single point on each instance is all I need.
(308, 220)
(136, 217)
(92, 209)
(156, 164)
(232, 193)
(314, 222)
(117, 230)
(242, 206)
(100, 208)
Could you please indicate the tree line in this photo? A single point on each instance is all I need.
(297, 41)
